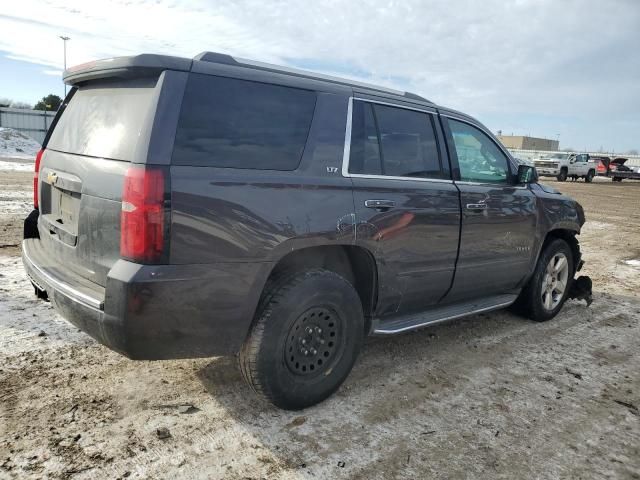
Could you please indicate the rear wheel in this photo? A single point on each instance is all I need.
(589, 177)
(548, 288)
(563, 175)
(308, 332)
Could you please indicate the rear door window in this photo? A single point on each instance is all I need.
(365, 149)
(104, 119)
(393, 141)
(233, 123)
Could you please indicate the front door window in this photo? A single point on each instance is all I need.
(479, 158)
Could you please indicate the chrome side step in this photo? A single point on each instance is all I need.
(442, 314)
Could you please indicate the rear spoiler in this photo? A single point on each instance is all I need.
(125, 67)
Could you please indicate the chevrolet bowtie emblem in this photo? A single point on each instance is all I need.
(52, 178)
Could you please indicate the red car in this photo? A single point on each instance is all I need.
(605, 166)
(602, 165)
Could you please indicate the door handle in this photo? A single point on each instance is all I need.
(379, 204)
(476, 206)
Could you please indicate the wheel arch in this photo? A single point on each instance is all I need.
(566, 233)
(355, 263)
(569, 236)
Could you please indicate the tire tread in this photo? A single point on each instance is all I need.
(275, 291)
(528, 304)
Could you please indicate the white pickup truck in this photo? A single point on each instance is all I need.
(566, 165)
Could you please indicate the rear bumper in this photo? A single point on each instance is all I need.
(626, 175)
(153, 312)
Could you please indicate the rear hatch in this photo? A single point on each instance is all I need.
(618, 164)
(101, 130)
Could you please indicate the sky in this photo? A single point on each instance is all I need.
(567, 69)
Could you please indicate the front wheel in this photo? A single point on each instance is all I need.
(307, 334)
(548, 288)
(589, 177)
(563, 175)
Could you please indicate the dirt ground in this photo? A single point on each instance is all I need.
(491, 396)
(16, 197)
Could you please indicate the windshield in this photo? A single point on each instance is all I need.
(559, 156)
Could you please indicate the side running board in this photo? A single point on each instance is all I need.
(441, 314)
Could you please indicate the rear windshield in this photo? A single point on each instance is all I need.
(104, 119)
(233, 123)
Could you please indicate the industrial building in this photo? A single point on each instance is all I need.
(519, 142)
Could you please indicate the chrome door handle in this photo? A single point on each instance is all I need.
(476, 206)
(379, 204)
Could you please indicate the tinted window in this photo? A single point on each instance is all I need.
(227, 122)
(408, 142)
(104, 119)
(393, 141)
(365, 151)
(479, 159)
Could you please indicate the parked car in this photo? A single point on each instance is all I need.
(216, 206)
(618, 170)
(602, 165)
(566, 165)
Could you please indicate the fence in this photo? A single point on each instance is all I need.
(33, 123)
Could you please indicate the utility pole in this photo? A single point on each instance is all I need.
(64, 43)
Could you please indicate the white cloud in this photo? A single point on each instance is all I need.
(53, 73)
(497, 57)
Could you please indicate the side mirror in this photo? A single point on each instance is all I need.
(527, 174)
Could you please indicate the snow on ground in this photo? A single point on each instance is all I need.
(15, 201)
(9, 166)
(15, 144)
(23, 316)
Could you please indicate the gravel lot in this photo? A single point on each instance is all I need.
(491, 396)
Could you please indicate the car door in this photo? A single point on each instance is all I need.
(498, 217)
(583, 164)
(406, 205)
(575, 165)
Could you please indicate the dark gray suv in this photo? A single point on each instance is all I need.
(218, 206)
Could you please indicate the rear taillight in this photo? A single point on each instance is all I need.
(142, 219)
(35, 178)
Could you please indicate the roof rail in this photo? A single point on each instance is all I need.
(225, 59)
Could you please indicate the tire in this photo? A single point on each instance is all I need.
(531, 302)
(563, 175)
(317, 312)
(617, 179)
(589, 177)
